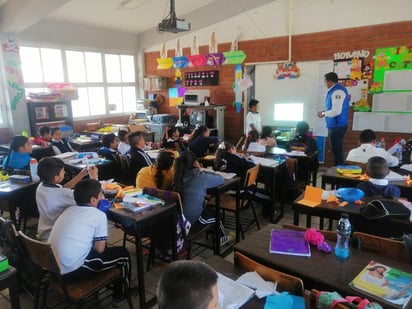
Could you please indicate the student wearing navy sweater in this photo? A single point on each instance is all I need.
(202, 142)
(229, 161)
(377, 169)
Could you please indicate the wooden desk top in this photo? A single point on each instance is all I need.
(129, 219)
(320, 271)
(7, 187)
(331, 175)
(389, 227)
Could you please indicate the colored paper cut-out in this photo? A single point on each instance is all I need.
(173, 92)
(197, 60)
(215, 59)
(175, 101)
(181, 91)
(164, 63)
(180, 62)
(234, 57)
(312, 196)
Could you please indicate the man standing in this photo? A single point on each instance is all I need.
(336, 115)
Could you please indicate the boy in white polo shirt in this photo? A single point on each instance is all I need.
(51, 197)
(79, 238)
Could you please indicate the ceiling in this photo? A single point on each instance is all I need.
(134, 16)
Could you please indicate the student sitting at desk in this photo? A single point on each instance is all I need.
(59, 143)
(266, 138)
(138, 158)
(123, 146)
(109, 148)
(188, 284)
(377, 169)
(367, 150)
(171, 139)
(51, 197)
(251, 143)
(44, 138)
(18, 157)
(79, 238)
(201, 141)
(229, 161)
(192, 181)
(158, 175)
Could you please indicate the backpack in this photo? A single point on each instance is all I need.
(384, 208)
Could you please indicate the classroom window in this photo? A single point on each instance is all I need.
(288, 112)
(106, 82)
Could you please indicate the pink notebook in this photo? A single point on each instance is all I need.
(289, 242)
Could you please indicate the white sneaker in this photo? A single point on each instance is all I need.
(225, 239)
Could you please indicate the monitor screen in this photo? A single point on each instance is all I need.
(198, 118)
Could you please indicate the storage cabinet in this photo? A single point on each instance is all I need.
(52, 114)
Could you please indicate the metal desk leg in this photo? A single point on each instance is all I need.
(140, 270)
(238, 228)
(295, 217)
(217, 224)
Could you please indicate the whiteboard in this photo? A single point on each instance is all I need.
(308, 88)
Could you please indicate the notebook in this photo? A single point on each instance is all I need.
(392, 286)
(289, 242)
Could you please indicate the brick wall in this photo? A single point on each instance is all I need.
(305, 47)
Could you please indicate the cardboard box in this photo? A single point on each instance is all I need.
(137, 127)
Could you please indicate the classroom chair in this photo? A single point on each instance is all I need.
(247, 197)
(128, 177)
(42, 255)
(196, 231)
(386, 247)
(286, 282)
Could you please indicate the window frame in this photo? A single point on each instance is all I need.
(104, 84)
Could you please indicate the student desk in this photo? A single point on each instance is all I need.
(136, 222)
(8, 280)
(320, 271)
(306, 160)
(332, 177)
(11, 194)
(229, 184)
(386, 227)
(105, 168)
(268, 174)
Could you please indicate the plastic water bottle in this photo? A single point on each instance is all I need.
(343, 235)
(33, 169)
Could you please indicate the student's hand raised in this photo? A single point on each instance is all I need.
(93, 172)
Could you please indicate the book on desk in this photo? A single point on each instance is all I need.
(139, 202)
(390, 285)
(289, 242)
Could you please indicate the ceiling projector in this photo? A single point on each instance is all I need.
(173, 25)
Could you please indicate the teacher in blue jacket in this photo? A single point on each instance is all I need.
(336, 115)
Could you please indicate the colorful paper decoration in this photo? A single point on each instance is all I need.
(197, 60)
(390, 59)
(180, 62)
(234, 57)
(286, 70)
(176, 96)
(164, 62)
(215, 59)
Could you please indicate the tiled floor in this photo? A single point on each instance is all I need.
(152, 276)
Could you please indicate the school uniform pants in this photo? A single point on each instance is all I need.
(95, 262)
